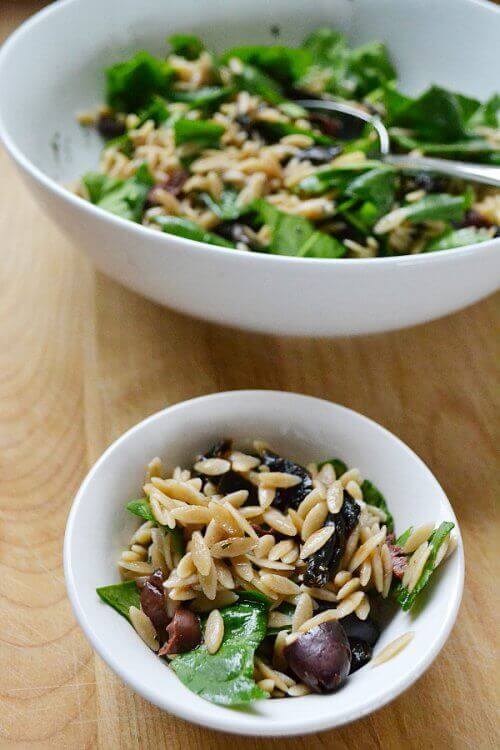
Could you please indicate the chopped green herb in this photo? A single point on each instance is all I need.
(141, 508)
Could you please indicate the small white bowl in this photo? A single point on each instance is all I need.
(52, 67)
(304, 428)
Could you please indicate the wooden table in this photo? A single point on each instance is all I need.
(82, 359)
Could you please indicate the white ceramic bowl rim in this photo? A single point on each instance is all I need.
(139, 229)
(228, 720)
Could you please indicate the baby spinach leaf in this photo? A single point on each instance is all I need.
(403, 538)
(437, 207)
(407, 598)
(369, 67)
(156, 110)
(125, 198)
(256, 82)
(436, 116)
(373, 496)
(141, 508)
(377, 186)
(284, 64)
(294, 235)
(98, 185)
(330, 52)
(227, 209)
(130, 84)
(202, 132)
(226, 678)
(457, 238)
(487, 114)
(121, 596)
(186, 45)
(206, 97)
(328, 178)
(122, 143)
(190, 230)
(474, 149)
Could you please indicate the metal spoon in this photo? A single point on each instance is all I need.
(464, 170)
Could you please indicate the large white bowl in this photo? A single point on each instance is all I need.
(304, 428)
(52, 67)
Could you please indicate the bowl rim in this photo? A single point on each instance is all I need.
(228, 721)
(142, 231)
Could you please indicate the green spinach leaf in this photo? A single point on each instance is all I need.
(156, 110)
(328, 178)
(204, 133)
(258, 83)
(227, 208)
(373, 496)
(294, 235)
(125, 198)
(207, 97)
(285, 64)
(376, 186)
(457, 238)
(186, 45)
(131, 84)
(121, 596)
(190, 230)
(141, 508)
(407, 598)
(226, 678)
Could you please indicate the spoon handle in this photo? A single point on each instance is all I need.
(464, 170)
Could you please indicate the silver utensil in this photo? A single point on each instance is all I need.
(464, 170)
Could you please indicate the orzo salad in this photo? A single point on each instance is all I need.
(256, 577)
(214, 148)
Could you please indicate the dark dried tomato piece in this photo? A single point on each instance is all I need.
(293, 496)
(233, 482)
(324, 563)
(184, 633)
(153, 604)
(399, 560)
(173, 185)
(110, 126)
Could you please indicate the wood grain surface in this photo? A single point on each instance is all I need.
(82, 359)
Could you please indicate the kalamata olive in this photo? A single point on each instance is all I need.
(321, 657)
(109, 126)
(361, 630)
(184, 633)
(318, 154)
(361, 653)
(153, 603)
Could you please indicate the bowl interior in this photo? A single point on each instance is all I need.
(53, 67)
(306, 429)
